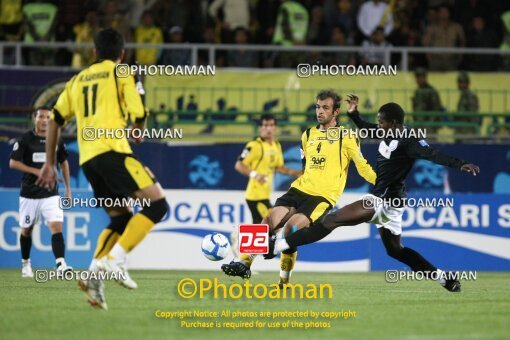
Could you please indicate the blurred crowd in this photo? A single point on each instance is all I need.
(428, 23)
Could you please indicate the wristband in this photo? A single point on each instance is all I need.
(253, 174)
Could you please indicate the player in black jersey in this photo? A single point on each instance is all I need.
(395, 160)
(28, 156)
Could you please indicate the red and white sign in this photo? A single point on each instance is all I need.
(253, 239)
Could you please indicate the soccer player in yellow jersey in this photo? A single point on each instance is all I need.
(311, 196)
(101, 100)
(259, 160)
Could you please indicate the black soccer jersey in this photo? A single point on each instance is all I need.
(30, 150)
(396, 158)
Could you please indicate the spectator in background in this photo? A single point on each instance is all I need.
(84, 33)
(338, 38)
(176, 57)
(317, 30)
(340, 13)
(209, 37)
(11, 19)
(39, 26)
(242, 58)
(481, 37)
(426, 98)
(468, 101)
(445, 33)
(170, 13)
(147, 33)
(375, 13)
(236, 13)
(110, 17)
(377, 40)
(266, 13)
(291, 29)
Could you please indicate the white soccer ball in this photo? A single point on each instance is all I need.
(215, 246)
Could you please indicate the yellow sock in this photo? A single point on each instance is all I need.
(137, 228)
(287, 262)
(105, 242)
(247, 259)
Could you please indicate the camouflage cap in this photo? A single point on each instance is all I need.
(463, 76)
(420, 71)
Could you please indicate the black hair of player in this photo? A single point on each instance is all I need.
(43, 107)
(330, 93)
(109, 44)
(392, 112)
(267, 116)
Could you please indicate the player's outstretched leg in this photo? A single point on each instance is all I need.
(415, 261)
(352, 214)
(137, 228)
(25, 240)
(94, 289)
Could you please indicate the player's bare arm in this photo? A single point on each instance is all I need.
(20, 166)
(245, 170)
(289, 172)
(67, 177)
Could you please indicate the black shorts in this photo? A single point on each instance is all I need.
(259, 209)
(313, 207)
(117, 175)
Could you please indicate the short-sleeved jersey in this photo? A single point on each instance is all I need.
(30, 149)
(326, 163)
(99, 100)
(264, 158)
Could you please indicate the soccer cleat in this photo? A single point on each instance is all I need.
(26, 269)
(94, 289)
(237, 269)
(120, 272)
(452, 285)
(271, 254)
(62, 268)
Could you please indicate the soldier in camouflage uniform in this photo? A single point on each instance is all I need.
(426, 98)
(468, 102)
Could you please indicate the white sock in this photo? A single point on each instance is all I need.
(60, 260)
(93, 266)
(441, 277)
(280, 246)
(23, 261)
(285, 274)
(118, 253)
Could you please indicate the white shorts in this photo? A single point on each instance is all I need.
(386, 216)
(31, 210)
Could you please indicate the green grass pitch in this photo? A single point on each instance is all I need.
(404, 310)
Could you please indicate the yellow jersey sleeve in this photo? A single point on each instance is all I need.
(130, 99)
(362, 165)
(251, 152)
(63, 110)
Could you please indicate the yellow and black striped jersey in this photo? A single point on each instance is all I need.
(100, 101)
(326, 163)
(264, 158)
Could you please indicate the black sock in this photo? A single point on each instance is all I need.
(25, 243)
(57, 245)
(414, 260)
(311, 234)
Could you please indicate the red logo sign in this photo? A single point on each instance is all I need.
(253, 239)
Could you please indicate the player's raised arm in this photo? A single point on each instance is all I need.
(352, 111)
(420, 149)
(364, 168)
